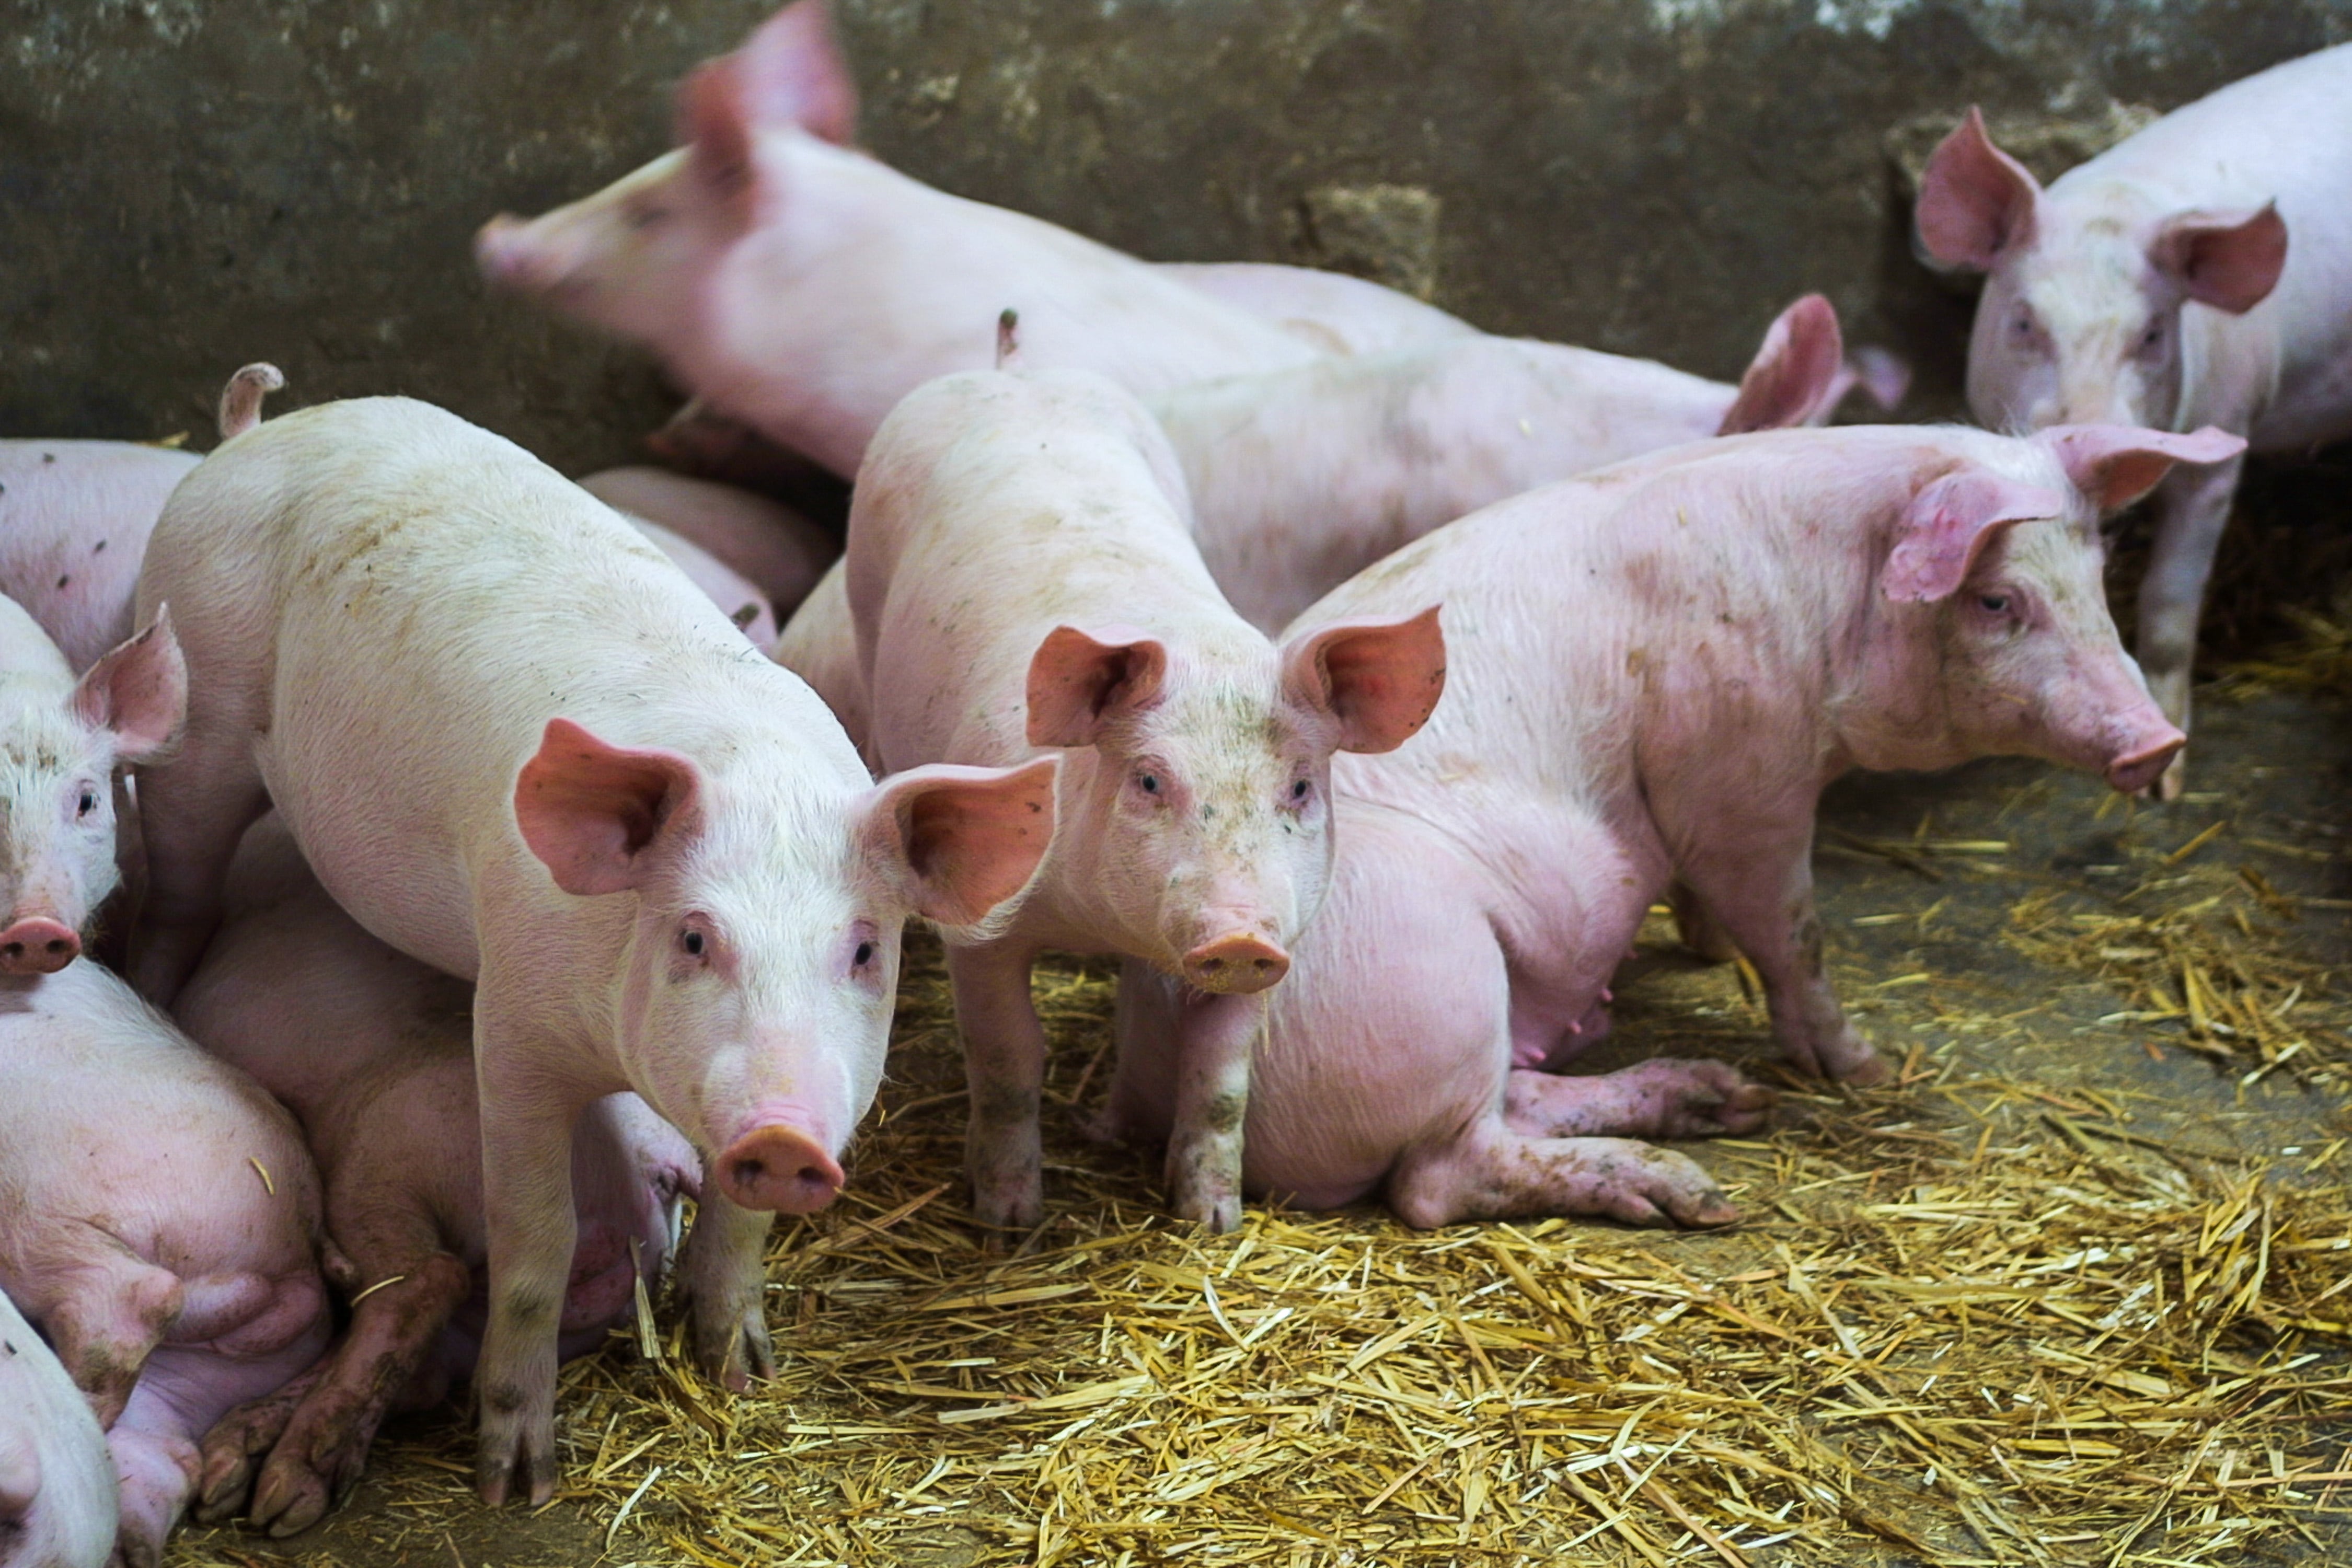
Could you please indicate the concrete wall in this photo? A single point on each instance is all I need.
(191, 184)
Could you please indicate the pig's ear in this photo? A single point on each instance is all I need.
(718, 134)
(139, 691)
(1078, 680)
(2231, 261)
(589, 811)
(1975, 200)
(2115, 465)
(969, 840)
(792, 72)
(1947, 525)
(1381, 678)
(1796, 377)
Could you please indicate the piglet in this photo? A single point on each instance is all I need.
(58, 1507)
(804, 288)
(518, 746)
(1302, 478)
(2197, 273)
(1714, 634)
(819, 644)
(1022, 576)
(734, 594)
(373, 1052)
(159, 1223)
(1338, 313)
(764, 541)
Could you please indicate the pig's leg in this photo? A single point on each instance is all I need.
(1004, 1067)
(1489, 1172)
(183, 1390)
(1664, 1099)
(1217, 1038)
(241, 1439)
(105, 1310)
(2192, 506)
(1700, 930)
(155, 1466)
(720, 1284)
(528, 1219)
(193, 811)
(1759, 885)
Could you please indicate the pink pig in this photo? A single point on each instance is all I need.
(805, 288)
(764, 541)
(516, 745)
(58, 1507)
(159, 1220)
(1713, 635)
(1340, 314)
(1022, 575)
(373, 1052)
(2198, 273)
(1302, 478)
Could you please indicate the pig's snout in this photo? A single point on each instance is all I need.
(37, 946)
(20, 1477)
(780, 1170)
(510, 256)
(1235, 965)
(2143, 764)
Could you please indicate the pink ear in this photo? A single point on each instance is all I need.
(2115, 465)
(1381, 678)
(970, 837)
(1975, 200)
(588, 810)
(715, 130)
(1947, 525)
(1795, 376)
(793, 74)
(139, 691)
(2231, 261)
(1078, 680)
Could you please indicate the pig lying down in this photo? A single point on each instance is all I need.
(1022, 575)
(373, 1052)
(1653, 673)
(775, 549)
(2198, 273)
(516, 745)
(58, 1506)
(159, 1221)
(804, 288)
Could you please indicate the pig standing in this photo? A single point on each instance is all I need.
(58, 1506)
(1021, 575)
(2156, 285)
(1302, 478)
(61, 743)
(1714, 634)
(804, 288)
(159, 1221)
(487, 709)
(373, 1052)
(766, 543)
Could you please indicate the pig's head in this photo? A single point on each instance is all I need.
(756, 983)
(1205, 829)
(57, 764)
(1994, 638)
(2080, 320)
(641, 257)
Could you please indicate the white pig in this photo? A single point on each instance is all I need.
(57, 1481)
(2197, 273)
(1022, 575)
(1342, 314)
(516, 745)
(765, 542)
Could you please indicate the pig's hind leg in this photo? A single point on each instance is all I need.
(1668, 1098)
(1489, 1172)
(104, 1309)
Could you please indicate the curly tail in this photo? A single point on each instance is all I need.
(240, 400)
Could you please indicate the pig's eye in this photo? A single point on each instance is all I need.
(1998, 604)
(2153, 338)
(1148, 783)
(863, 956)
(89, 803)
(692, 942)
(1298, 790)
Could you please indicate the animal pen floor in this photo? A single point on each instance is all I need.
(2074, 1289)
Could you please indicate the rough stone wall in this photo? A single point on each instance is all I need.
(187, 185)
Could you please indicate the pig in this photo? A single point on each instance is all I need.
(75, 516)
(734, 594)
(1021, 575)
(159, 1223)
(804, 288)
(518, 746)
(1344, 315)
(373, 1052)
(819, 644)
(56, 1479)
(2156, 285)
(1715, 633)
(763, 540)
(62, 743)
(1302, 478)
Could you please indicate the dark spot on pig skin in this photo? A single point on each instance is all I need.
(1224, 1113)
(49, 457)
(1809, 943)
(99, 548)
(64, 580)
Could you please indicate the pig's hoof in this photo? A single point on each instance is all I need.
(731, 1344)
(1219, 1214)
(1662, 1187)
(1843, 1055)
(1006, 1210)
(517, 1454)
(1711, 1099)
(292, 1498)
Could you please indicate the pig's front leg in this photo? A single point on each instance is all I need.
(721, 1285)
(104, 1310)
(1004, 1071)
(2192, 508)
(528, 1216)
(1215, 1043)
(1758, 884)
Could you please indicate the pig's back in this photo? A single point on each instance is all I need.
(74, 521)
(2290, 122)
